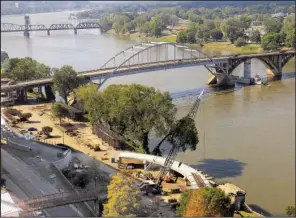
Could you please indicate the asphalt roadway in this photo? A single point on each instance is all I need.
(33, 175)
(33, 185)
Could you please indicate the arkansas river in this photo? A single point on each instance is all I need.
(247, 135)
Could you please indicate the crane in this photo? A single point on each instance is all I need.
(155, 187)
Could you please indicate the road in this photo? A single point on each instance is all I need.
(32, 184)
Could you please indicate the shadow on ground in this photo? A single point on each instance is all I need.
(259, 209)
(221, 168)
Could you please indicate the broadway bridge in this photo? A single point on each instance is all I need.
(146, 57)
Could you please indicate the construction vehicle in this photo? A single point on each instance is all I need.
(155, 187)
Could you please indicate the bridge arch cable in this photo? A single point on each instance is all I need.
(156, 52)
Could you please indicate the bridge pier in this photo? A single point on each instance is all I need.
(26, 33)
(49, 93)
(21, 95)
(48, 32)
(75, 31)
(246, 79)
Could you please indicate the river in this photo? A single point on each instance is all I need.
(247, 135)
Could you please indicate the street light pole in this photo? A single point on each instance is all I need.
(63, 138)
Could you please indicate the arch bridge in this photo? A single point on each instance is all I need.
(153, 56)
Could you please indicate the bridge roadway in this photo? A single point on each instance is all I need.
(106, 73)
(32, 184)
(60, 199)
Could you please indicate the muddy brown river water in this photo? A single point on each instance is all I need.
(247, 135)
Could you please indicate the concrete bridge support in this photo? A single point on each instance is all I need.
(48, 32)
(21, 95)
(75, 31)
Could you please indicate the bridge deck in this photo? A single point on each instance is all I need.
(145, 67)
(59, 199)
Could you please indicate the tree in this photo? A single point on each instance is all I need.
(91, 100)
(255, 36)
(25, 116)
(290, 40)
(208, 202)
(216, 34)
(233, 29)
(65, 80)
(4, 57)
(291, 211)
(183, 203)
(271, 41)
(184, 136)
(3, 73)
(131, 110)
(191, 37)
(81, 179)
(289, 30)
(46, 130)
(156, 27)
(245, 21)
(59, 111)
(21, 69)
(240, 42)
(181, 37)
(123, 196)
(272, 25)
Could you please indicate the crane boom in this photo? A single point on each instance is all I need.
(175, 145)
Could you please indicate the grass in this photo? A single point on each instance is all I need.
(229, 47)
(34, 95)
(211, 46)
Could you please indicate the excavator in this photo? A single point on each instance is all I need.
(155, 187)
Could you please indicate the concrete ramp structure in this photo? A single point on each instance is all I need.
(195, 177)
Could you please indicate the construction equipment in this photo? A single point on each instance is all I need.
(155, 187)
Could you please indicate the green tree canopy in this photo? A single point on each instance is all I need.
(233, 29)
(207, 202)
(272, 25)
(183, 204)
(182, 37)
(255, 36)
(216, 34)
(271, 41)
(131, 110)
(91, 100)
(21, 69)
(291, 211)
(156, 27)
(65, 80)
(239, 42)
(59, 111)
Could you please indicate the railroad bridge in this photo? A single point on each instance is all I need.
(27, 28)
(153, 56)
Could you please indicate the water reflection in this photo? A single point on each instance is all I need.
(221, 168)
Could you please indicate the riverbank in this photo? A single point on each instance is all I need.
(213, 46)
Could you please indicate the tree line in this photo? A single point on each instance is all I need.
(206, 24)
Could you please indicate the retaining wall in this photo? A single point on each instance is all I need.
(18, 146)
